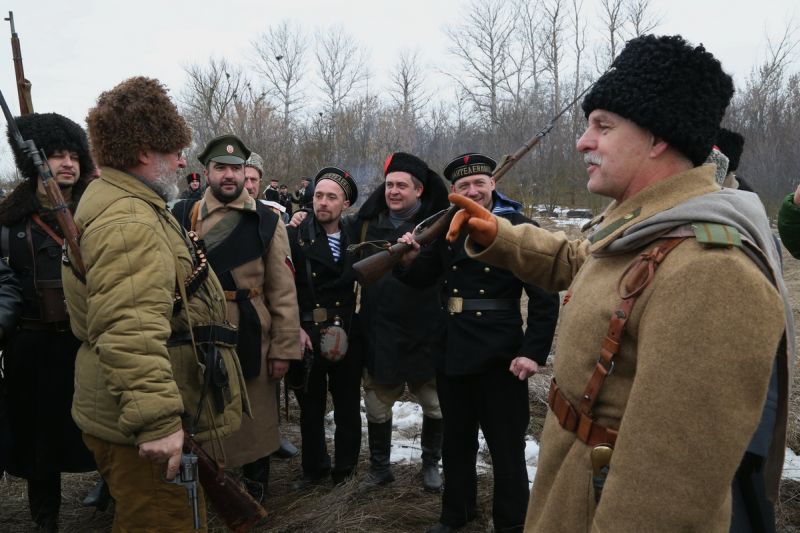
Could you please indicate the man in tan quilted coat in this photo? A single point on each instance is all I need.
(149, 312)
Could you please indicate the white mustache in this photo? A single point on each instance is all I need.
(591, 158)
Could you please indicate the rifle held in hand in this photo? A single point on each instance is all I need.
(60, 208)
(372, 268)
(232, 503)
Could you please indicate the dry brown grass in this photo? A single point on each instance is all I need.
(399, 508)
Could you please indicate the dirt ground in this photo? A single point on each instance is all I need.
(404, 507)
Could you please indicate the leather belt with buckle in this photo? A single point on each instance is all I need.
(456, 304)
(321, 314)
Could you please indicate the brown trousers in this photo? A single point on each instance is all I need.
(144, 501)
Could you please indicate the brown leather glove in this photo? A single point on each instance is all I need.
(481, 224)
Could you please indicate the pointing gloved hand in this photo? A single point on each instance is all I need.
(480, 223)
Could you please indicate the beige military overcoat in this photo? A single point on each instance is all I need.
(689, 382)
(280, 321)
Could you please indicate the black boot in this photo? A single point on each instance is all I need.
(339, 476)
(431, 442)
(44, 500)
(380, 450)
(98, 496)
(255, 478)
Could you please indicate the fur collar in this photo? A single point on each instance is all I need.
(20, 204)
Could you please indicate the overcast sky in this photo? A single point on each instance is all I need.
(73, 50)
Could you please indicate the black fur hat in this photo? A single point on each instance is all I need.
(405, 162)
(663, 84)
(51, 132)
(731, 144)
(434, 192)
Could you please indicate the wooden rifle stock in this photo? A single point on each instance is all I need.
(372, 268)
(230, 501)
(23, 85)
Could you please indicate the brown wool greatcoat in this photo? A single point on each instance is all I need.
(690, 378)
(280, 328)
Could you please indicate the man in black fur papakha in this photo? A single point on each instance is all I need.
(39, 355)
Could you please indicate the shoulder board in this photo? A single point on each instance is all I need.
(614, 226)
(716, 235)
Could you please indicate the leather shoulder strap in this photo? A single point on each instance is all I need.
(631, 285)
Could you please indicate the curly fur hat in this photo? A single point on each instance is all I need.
(731, 144)
(666, 86)
(135, 116)
(51, 132)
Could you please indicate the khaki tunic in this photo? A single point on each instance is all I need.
(689, 381)
(280, 323)
(129, 387)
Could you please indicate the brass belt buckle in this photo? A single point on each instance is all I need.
(319, 314)
(455, 304)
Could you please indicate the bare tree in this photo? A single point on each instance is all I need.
(342, 66)
(552, 44)
(578, 27)
(280, 59)
(640, 19)
(525, 53)
(406, 87)
(612, 16)
(767, 113)
(209, 97)
(481, 42)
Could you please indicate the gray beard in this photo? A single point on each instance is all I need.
(164, 185)
(165, 188)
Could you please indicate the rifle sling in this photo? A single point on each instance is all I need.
(47, 229)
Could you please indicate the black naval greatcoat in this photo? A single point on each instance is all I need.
(324, 283)
(473, 381)
(477, 340)
(403, 325)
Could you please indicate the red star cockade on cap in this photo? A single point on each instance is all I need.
(466, 160)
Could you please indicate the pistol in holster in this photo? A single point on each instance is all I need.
(217, 379)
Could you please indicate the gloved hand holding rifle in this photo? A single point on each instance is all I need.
(375, 266)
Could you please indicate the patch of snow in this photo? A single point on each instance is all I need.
(791, 465)
(578, 222)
